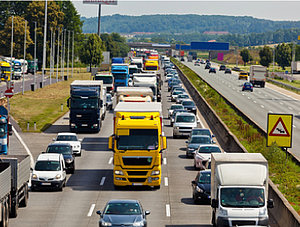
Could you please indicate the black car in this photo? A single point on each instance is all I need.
(201, 186)
(182, 59)
(212, 70)
(66, 150)
(222, 68)
(123, 213)
(227, 70)
(190, 106)
(207, 66)
(173, 83)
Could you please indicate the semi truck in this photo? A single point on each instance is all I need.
(239, 189)
(32, 66)
(5, 71)
(5, 130)
(86, 104)
(117, 60)
(138, 61)
(14, 178)
(108, 81)
(148, 82)
(134, 94)
(121, 75)
(258, 75)
(138, 142)
(295, 66)
(151, 65)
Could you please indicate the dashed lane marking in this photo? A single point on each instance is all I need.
(168, 211)
(91, 210)
(102, 181)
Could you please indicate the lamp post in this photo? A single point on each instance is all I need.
(44, 45)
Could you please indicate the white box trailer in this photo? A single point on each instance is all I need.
(239, 189)
(134, 94)
(258, 75)
(5, 188)
(149, 82)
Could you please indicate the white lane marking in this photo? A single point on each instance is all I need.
(262, 106)
(290, 108)
(166, 181)
(25, 146)
(285, 94)
(165, 161)
(110, 160)
(168, 211)
(201, 123)
(102, 181)
(243, 94)
(254, 101)
(249, 97)
(91, 210)
(281, 103)
(294, 126)
(270, 111)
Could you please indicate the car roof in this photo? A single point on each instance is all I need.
(66, 134)
(198, 136)
(200, 129)
(123, 201)
(59, 144)
(186, 114)
(205, 171)
(176, 105)
(209, 145)
(49, 156)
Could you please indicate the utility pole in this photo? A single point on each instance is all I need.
(237, 58)
(44, 45)
(99, 20)
(23, 81)
(68, 54)
(51, 43)
(12, 45)
(64, 51)
(53, 54)
(273, 59)
(34, 58)
(62, 54)
(72, 54)
(293, 60)
(57, 60)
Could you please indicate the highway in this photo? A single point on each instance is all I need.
(256, 104)
(91, 186)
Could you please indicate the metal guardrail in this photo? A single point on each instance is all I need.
(283, 84)
(283, 212)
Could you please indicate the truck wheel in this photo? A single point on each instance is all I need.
(156, 187)
(6, 213)
(3, 215)
(14, 211)
(24, 201)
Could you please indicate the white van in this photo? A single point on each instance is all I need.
(49, 172)
(183, 124)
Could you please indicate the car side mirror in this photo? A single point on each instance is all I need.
(80, 140)
(147, 212)
(9, 129)
(53, 139)
(31, 169)
(186, 141)
(213, 136)
(98, 212)
(193, 182)
(65, 169)
(214, 203)
(270, 203)
(68, 102)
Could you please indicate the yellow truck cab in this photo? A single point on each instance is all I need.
(137, 142)
(5, 71)
(243, 76)
(151, 65)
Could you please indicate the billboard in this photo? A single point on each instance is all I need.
(209, 46)
(104, 2)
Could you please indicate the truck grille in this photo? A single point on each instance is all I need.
(137, 173)
(238, 223)
(189, 128)
(137, 161)
(139, 180)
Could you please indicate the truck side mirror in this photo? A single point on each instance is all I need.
(68, 102)
(214, 203)
(9, 129)
(164, 142)
(270, 203)
(110, 142)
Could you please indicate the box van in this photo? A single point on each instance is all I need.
(183, 124)
(49, 172)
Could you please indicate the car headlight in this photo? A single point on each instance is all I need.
(119, 172)
(139, 223)
(155, 172)
(199, 189)
(223, 212)
(58, 176)
(194, 108)
(73, 125)
(176, 127)
(69, 160)
(191, 149)
(34, 176)
(262, 211)
(105, 223)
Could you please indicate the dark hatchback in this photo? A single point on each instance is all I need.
(212, 70)
(201, 186)
(66, 150)
(222, 68)
(189, 106)
(123, 213)
(227, 70)
(247, 87)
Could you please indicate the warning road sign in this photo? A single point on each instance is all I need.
(280, 129)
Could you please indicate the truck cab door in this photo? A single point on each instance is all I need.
(164, 142)
(110, 142)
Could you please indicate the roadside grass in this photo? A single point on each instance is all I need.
(283, 171)
(42, 106)
(294, 83)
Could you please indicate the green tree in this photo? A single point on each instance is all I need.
(283, 55)
(91, 52)
(19, 30)
(246, 56)
(266, 56)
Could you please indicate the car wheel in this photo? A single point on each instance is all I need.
(156, 187)
(72, 171)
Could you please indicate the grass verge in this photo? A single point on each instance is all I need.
(283, 172)
(43, 106)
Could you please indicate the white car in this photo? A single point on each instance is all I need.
(174, 107)
(175, 94)
(70, 138)
(183, 124)
(182, 97)
(203, 155)
(49, 172)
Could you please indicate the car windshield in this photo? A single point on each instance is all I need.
(47, 166)
(242, 197)
(209, 150)
(106, 79)
(183, 96)
(78, 103)
(6, 69)
(188, 119)
(204, 178)
(188, 103)
(120, 76)
(137, 139)
(177, 92)
(66, 138)
(123, 209)
(177, 107)
(151, 68)
(59, 149)
(201, 132)
(200, 139)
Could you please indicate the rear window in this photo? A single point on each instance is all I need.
(209, 150)
(176, 107)
(188, 119)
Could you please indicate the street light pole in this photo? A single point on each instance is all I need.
(72, 53)
(23, 81)
(62, 53)
(44, 46)
(51, 43)
(68, 54)
(57, 55)
(34, 58)
(12, 45)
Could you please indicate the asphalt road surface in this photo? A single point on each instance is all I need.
(256, 104)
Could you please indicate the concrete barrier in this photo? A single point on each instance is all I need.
(283, 213)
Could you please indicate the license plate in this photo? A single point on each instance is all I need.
(46, 184)
(136, 184)
(84, 125)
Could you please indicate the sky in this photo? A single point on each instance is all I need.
(272, 10)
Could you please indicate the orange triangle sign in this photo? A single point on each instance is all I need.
(279, 129)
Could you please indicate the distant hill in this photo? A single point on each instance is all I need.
(189, 23)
